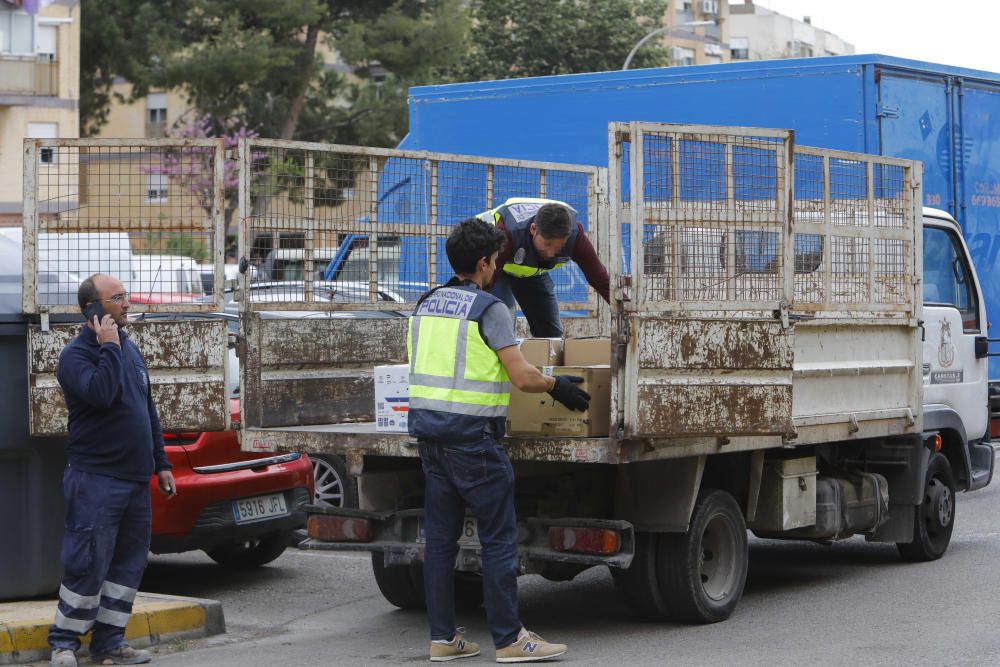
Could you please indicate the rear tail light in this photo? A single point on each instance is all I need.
(180, 438)
(601, 541)
(329, 528)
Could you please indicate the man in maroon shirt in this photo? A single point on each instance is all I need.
(542, 235)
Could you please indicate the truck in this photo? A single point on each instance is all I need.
(936, 114)
(798, 349)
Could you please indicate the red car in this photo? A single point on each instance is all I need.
(240, 508)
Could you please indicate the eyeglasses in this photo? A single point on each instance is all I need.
(117, 298)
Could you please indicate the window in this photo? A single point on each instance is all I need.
(156, 108)
(47, 154)
(17, 33)
(740, 48)
(48, 40)
(947, 278)
(22, 33)
(157, 188)
(681, 56)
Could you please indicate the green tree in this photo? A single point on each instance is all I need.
(518, 38)
(259, 63)
(120, 39)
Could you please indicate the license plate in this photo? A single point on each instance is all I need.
(258, 508)
(468, 537)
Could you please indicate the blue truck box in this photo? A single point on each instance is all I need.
(946, 117)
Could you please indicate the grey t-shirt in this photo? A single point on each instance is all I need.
(496, 327)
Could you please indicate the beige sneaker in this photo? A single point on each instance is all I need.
(457, 648)
(529, 647)
(63, 657)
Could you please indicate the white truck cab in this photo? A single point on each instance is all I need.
(955, 374)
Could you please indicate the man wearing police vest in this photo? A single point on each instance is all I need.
(463, 359)
(542, 235)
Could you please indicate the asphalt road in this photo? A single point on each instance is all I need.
(847, 604)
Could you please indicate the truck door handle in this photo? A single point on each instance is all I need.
(982, 347)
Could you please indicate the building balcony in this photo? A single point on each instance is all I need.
(29, 75)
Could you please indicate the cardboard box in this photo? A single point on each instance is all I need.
(587, 352)
(392, 398)
(543, 351)
(540, 414)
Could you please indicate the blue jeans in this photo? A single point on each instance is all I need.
(537, 297)
(104, 553)
(478, 476)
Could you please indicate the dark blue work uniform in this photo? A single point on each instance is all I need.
(115, 446)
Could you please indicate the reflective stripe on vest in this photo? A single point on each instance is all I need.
(452, 369)
(523, 209)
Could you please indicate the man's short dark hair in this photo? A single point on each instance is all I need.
(470, 241)
(553, 221)
(87, 293)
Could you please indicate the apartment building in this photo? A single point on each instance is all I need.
(759, 33)
(39, 87)
(696, 31)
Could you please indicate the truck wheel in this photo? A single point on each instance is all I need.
(468, 591)
(252, 552)
(702, 572)
(934, 518)
(639, 582)
(401, 585)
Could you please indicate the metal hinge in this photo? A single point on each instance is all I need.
(886, 111)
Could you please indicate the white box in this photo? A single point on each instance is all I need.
(392, 398)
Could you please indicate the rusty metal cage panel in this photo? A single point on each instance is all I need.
(148, 211)
(330, 227)
(187, 369)
(857, 240)
(702, 215)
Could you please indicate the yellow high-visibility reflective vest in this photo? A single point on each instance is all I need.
(459, 389)
(517, 214)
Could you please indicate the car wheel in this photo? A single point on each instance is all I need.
(935, 516)
(251, 552)
(334, 487)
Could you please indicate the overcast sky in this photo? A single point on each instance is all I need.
(951, 32)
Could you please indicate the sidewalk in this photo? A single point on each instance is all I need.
(156, 618)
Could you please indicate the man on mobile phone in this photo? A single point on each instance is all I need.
(114, 446)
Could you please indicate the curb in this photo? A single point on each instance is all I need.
(156, 618)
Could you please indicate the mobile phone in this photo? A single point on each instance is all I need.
(94, 309)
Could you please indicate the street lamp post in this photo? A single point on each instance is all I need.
(664, 29)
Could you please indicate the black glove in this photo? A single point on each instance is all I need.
(566, 392)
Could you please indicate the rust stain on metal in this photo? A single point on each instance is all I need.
(333, 341)
(192, 406)
(715, 409)
(695, 344)
(324, 400)
(185, 361)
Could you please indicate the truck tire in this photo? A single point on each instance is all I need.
(934, 518)
(251, 552)
(639, 582)
(702, 572)
(401, 585)
(468, 591)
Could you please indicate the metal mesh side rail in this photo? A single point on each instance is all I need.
(855, 232)
(331, 227)
(148, 211)
(702, 215)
